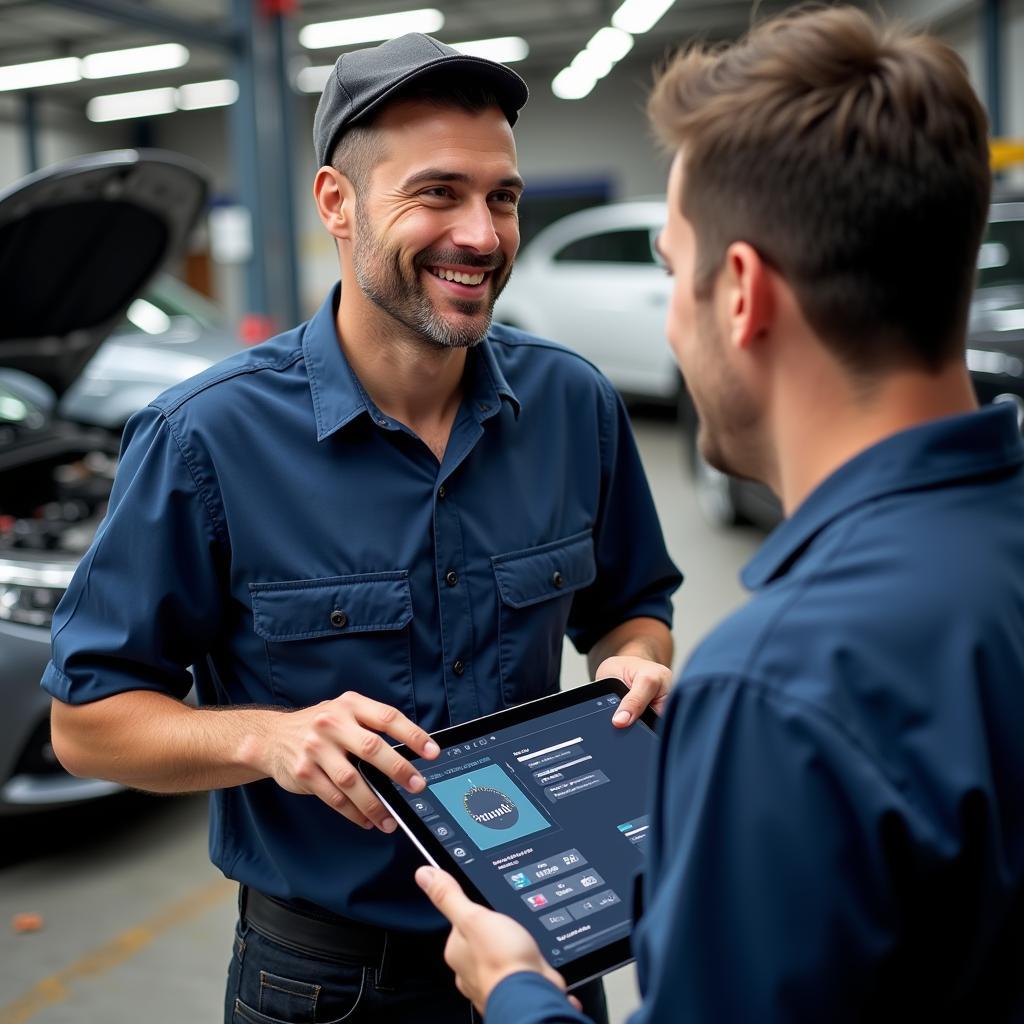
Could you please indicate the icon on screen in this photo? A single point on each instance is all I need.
(519, 880)
(537, 900)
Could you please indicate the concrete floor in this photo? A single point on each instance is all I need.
(137, 923)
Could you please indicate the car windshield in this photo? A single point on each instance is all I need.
(164, 299)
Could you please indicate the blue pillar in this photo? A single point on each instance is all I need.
(30, 124)
(286, 184)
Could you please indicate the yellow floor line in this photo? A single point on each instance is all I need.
(57, 987)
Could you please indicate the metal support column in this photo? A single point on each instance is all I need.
(286, 185)
(991, 33)
(245, 149)
(30, 124)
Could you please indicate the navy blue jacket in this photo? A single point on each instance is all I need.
(839, 812)
(272, 527)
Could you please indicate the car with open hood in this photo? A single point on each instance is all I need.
(91, 332)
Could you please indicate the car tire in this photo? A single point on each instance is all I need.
(716, 491)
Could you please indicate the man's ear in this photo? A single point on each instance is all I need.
(749, 289)
(335, 200)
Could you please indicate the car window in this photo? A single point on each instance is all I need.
(627, 245)
(165, 298)
(1001, 259)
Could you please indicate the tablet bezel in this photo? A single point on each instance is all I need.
(591, 965)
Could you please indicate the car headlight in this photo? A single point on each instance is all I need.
(29, 592)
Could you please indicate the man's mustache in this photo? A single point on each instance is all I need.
(459, 258)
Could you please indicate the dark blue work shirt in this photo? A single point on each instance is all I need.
(270, 526)
(838, 832)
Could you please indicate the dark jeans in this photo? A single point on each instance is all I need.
(270, 983)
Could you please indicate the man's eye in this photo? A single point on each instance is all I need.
(437, 192)
(505, 196)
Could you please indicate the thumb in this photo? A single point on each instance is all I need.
(443, 891)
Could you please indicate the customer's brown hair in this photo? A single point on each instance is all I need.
(853, 156)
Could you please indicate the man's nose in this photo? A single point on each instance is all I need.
(474, 228)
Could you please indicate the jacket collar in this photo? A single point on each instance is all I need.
(935, 453)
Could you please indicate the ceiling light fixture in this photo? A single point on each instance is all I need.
(144, 103)
(611, 43)
(200, 95)
(638, 16)
(572, 84)
(503, 49)
(313, 79)
(39, 73)
(136, 61)
(323, 34)
(589, 64)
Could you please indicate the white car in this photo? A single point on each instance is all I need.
(592, 282)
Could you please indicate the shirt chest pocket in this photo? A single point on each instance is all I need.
(326, 636)
(535, 594)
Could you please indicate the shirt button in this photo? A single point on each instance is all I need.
(451, 577)
(558, 580)
(339, 619)
(441, 491)
(458, 668)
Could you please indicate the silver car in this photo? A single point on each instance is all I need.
(91, 332)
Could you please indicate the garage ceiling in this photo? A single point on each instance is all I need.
(41, 29)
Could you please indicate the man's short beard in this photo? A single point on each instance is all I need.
(384, 282)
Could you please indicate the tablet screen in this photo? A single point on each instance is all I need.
(547, 819)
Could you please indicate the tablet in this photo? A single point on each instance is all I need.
(540, 813)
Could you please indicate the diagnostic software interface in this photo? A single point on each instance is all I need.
(547, 819)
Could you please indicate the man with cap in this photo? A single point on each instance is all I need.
(372, 526)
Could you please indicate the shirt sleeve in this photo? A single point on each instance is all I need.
(635, 576)
(768, 896)
(529, 998)
(146, 600)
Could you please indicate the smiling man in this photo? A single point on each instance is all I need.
(380, 523)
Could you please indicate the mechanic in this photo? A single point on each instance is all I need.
(378, 524)
(838, 826)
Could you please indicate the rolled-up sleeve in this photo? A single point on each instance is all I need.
(635, 576)
(146, 600)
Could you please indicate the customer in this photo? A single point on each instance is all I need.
(838, 823)
(380, 523)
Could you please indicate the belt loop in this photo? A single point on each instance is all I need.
(243, 899)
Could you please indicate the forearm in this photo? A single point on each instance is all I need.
(641, 638)
(154, 742)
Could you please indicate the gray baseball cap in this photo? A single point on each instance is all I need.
(363, 80)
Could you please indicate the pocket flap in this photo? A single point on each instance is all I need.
(545, 572)
(336, 606)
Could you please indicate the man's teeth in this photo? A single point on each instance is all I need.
(454, 275)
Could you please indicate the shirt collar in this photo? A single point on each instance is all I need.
(952, 448)
(338, 397)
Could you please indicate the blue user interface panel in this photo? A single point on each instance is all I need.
(548, 820)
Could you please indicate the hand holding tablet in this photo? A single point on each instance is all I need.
(539, 812)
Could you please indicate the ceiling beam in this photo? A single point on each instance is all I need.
(169, 25)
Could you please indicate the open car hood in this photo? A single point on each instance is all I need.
(78, 242)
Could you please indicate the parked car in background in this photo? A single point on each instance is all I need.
(90, 333)
(592, 282)
(995, 358)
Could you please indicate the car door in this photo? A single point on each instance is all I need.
(607, 299)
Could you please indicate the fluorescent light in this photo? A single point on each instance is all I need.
(200, 95)
(503, 49)
(40, 72)
(638, 16)
(365, 30)
(145, 103)
(611, 43)
(590, 65)
(135, 61)
(570, 84)
(313, 79)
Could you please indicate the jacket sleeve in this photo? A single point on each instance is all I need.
(635, 576)
(146, 600)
